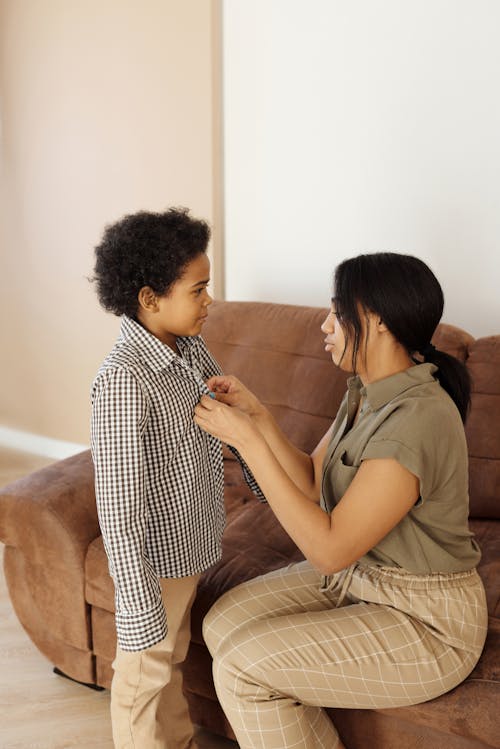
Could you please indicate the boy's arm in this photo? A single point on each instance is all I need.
(119, 414)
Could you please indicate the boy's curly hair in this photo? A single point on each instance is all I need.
(145, 249)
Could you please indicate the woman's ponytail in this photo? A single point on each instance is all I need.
(452, 375)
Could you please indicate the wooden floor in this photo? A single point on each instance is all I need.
(39, 710)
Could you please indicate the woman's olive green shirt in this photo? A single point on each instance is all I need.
(409, 417)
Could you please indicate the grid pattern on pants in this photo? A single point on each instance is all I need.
(282, 650)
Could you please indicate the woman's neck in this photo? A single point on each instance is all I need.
(382, 364)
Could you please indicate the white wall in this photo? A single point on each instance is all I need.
(361, 126)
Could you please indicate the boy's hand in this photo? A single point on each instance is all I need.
(230, 425)
(229, 390)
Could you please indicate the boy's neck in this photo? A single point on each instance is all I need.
(169, 339)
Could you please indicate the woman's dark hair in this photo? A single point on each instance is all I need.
(145, 249)
(406, 295)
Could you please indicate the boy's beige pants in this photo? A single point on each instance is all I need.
(148, 708)
(372, 638)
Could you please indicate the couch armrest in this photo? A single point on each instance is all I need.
(51, 515)
(47, 521)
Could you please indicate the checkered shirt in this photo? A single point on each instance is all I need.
(159, 478)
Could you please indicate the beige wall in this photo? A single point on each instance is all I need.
(107, 107)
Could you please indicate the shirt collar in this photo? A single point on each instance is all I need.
(382, 391)
(157, 354)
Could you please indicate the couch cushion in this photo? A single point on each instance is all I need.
(487, 534)
(483, 428)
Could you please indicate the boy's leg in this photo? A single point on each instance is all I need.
(141, 678)
(173, 712)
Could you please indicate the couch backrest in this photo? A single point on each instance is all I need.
(278, 351)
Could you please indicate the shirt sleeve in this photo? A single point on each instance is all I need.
(119, 416)
(391, 448)
(412, 442)
(248, 476)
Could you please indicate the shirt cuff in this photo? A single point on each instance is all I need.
(249, 477)
(141, 630)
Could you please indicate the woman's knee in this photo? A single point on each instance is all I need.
(228, 613)
(209, 630)
(219, 622)
(234, 664)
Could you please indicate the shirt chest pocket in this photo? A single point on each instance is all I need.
(338, 477)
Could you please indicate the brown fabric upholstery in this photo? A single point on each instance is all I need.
(56, 567)
(482, 428)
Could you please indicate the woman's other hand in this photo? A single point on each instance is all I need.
(229, 424)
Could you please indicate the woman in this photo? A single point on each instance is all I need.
(388, 608)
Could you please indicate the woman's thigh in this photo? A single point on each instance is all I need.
(362, 655)
(289, 590)
(401, 639)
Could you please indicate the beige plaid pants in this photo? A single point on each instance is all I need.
(283, 648)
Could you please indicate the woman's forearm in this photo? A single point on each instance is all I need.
(305, 522)
(297, 464)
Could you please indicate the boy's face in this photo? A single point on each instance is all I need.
(184, 309)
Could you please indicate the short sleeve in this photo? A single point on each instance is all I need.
(411, 459)
(417, 438)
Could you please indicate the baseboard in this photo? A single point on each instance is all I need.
(36, 444)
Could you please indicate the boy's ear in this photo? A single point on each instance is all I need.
(147, 299)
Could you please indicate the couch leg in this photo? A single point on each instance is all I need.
(84, 684)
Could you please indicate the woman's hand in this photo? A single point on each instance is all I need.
(228, 389)
(227, 423)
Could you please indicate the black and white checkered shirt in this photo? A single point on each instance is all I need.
(158, 476)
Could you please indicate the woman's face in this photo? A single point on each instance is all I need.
(339, 343)
(335, 341)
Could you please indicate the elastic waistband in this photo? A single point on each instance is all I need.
(413, 580)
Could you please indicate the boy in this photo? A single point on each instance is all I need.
(158, 476)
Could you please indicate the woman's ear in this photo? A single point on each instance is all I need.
(381, 326)
(147, 299)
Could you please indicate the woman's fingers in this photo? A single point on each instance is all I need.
(222, 421)
(228, 389)
(221, 383)
(206, 403)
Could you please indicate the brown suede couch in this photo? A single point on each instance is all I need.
(56, 568)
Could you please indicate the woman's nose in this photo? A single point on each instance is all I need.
(327, 326)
